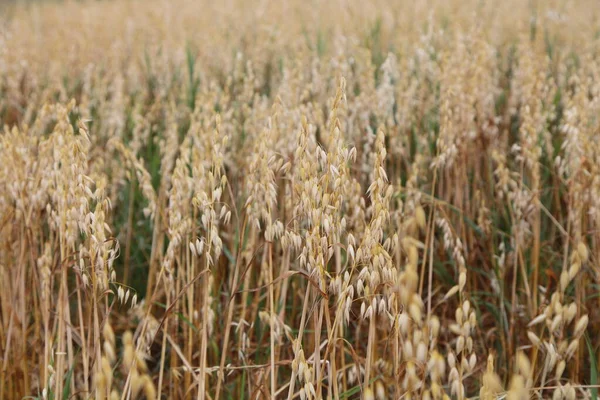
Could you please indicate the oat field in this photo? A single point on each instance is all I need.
(300, 199)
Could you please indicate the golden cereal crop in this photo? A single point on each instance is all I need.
(300, 199)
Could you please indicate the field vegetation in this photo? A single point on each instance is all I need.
(300, 199)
